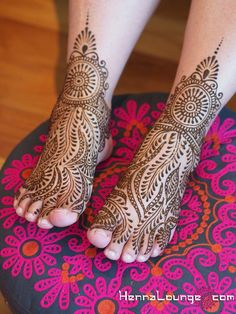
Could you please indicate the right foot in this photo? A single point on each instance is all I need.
(60, 186)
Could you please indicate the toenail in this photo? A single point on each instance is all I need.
(112, 254)
(19, 211)
(141, 258)
(155, 252)
(101, 233)
(29, 216)
(128, 258)
(43, 223)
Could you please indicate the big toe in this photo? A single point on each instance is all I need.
(99, 237)
(62, 217)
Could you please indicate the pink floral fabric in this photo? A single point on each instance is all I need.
(58, 271)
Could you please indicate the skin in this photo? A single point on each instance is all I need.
(64, 174)
(140, 215)
(143, 209)
(57, 191)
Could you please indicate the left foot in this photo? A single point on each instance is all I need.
(140, 215)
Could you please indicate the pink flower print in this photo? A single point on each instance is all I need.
(43, 138)
(39, 148)
(28, 250)
(224, 131)
(107, 185)
(230, 157)
(191, 209)
(156, 113)
(15, 176)
(213, 286)
(159, 287)
(217, 135)
(64, 281)
(9, 213)
(105, 298)
(125, 154)
(133, 116)
(227, 259)
(114, 131)
(80, 243)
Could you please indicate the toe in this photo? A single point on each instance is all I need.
(142, 257)
(156, 251)
(145, 250)
(33, 211)
(112, 227)
(129, 254)
(161, 241)
(44, 223)
(18, 197)
(23, 206)
(114, 250)
(62, 217)
(99, 237)
(139, 247)
(100, 233)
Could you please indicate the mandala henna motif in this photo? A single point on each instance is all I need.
(155, 181)
(64, 174)
(194, 103)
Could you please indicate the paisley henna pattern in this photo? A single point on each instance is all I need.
(200, 259)
(144, 206)
(64, 174)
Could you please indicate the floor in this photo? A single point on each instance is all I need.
(32, 62)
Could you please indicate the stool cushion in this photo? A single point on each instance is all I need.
(59, 271)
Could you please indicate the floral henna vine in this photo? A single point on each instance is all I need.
(78, 130)
(144, 206)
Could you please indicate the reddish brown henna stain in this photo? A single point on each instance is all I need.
(155, 181)
(78, 130)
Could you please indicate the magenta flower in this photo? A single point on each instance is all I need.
(105, 298)
(217, 135)
(114, 131)
(62, 282)
(135, 116)
(43, 138)
(39, 148)
(125, 153)
(157, 112)
(213, 287)
(191, 209)
(9, 213)
(28, 250)
(161, 285)
(15, 176)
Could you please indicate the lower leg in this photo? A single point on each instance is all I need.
(58, 189)
(147, 199)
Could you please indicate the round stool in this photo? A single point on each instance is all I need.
(58, 271)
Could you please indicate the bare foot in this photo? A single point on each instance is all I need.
(58, 189)
(140, 215)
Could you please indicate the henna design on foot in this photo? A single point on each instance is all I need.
(78, 131)
(143, 209)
